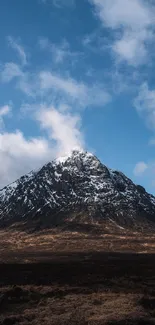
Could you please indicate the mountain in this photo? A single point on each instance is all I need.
(76, 189)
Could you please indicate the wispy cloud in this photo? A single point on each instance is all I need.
(9, 71)
(145, 104)
(145, 171)
(95, 42)
(85, 95)
(140, 168)
(18, 48)
(61, 3)
(28, 84)
(60, 52)
(58, 86)
(67, 85)
(4, 111)
(132, 23)
(24, 80)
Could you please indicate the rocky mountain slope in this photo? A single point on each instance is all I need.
(77, 188)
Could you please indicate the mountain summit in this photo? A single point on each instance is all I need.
(76, 188)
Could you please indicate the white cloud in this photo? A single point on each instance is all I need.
(128, 13)
(140, 168)
(19, 155)
(9, 71)
(84, 94)
(67, 85)
(132, 22)
(131, 49)
(145, 104)
(146, 171)
(62, 127)
(19, 49)
(4, 111)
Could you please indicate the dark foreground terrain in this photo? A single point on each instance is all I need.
(109, 281)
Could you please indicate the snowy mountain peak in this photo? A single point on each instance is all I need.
(76, 187)
(76, 155)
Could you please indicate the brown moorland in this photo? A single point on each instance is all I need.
(58, 277)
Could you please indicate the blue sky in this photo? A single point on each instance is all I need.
(78, 74)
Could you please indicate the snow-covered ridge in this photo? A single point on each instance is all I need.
(76, 182)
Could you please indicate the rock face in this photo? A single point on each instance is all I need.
(78, 188)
